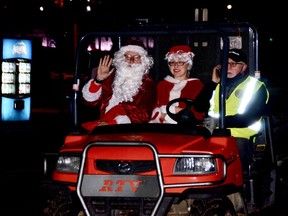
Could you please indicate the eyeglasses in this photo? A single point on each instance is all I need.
(135, 58)
(234, 64)
(176, 63)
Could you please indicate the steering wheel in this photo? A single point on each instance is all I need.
(185, 116)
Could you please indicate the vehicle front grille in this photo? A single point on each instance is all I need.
(120, 206)
(135, 167)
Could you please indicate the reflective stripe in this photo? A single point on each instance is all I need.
(212, 107)
(256, 126)
(247, 95)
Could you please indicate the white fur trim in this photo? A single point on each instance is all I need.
(122, 119)
(112, 103)
(163, 109)
(171, 79)
(191, 79)
(169, 120)
(171, 109)
(157, 119)
(134, 48)
(89, 96)
(186, 55)
(176, 90)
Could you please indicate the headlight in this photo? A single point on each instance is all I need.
(68, 164)
(195, 165)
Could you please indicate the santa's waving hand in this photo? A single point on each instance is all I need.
(103, 70)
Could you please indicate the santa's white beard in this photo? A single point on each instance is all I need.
(128, 80)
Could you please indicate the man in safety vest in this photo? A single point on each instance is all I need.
(246, 103)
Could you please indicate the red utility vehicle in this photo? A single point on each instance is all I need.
(161, 169)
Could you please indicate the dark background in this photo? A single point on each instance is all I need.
(61, 18)
(65, 21)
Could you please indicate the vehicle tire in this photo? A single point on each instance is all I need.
(213, 207)
(267, 189)
(263, 192)
(57, 201)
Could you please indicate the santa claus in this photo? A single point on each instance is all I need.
(178, 84)
(123, 87)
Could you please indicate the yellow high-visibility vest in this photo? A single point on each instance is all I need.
(237, 103)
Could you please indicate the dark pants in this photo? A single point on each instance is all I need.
(245, 148)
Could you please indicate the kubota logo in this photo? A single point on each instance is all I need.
(124, 167)
(111, 186)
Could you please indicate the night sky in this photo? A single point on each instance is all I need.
(24, 17)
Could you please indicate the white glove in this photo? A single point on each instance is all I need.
(211, 123)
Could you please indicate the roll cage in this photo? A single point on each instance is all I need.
(210, 42)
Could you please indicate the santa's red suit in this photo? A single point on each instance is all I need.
(169, 89)
(114, 112)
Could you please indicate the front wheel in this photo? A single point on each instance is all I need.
(213, 207)
(59, 201)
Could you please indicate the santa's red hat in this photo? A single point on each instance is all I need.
(134, 45)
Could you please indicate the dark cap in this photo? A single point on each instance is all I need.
(237, 55)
